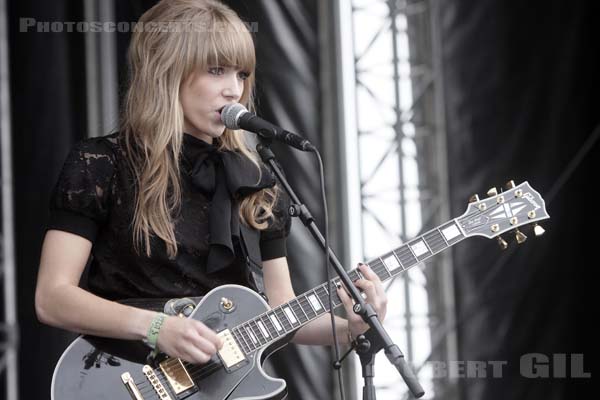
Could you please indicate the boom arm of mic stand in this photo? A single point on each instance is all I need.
(366, 311)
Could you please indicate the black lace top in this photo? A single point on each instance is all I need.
(94, 198)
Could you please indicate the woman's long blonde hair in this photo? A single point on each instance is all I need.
(174, 39)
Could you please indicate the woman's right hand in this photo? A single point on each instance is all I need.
(188, 339)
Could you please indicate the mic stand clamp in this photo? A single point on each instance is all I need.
(365, 310)
(366, 346)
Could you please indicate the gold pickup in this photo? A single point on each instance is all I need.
(177, 375)
(230, 353)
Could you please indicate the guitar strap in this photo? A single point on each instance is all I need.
(250, 244)
(169, 306)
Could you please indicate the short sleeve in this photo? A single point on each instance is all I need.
(81, 197)
(273, 239)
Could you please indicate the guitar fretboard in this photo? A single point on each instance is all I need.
(288, 317)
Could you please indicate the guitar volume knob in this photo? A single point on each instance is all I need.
(226, 304)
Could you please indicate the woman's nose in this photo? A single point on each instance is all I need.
(234, 87)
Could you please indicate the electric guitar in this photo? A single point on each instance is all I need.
(100, 368)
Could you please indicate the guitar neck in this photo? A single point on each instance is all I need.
(288, 317)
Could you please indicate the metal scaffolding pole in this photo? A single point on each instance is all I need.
(342, 189)
(429, 112)
(9, 326)
(446, 274)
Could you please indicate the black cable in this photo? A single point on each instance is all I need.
(574, 163)
(336, 345)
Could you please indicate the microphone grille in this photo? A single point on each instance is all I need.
(231, 114)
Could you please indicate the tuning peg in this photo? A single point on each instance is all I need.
(474, 198)
(538, 230)
(520, 236)
(510, 184)
(492, 192)
(502, 243)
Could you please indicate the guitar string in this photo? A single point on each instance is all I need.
(170, 363)
(195, 371)
(149, 388)
(199, 371)
(146, 386)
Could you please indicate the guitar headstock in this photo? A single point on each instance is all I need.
(501, 212)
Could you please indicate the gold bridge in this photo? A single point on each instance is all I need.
(175, 372)
(230, 353)
(155, 382)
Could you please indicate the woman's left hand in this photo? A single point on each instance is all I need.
(375, 295)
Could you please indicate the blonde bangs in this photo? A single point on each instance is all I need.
(231, 45)
(224, 41)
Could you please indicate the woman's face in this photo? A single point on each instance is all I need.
(204, 95)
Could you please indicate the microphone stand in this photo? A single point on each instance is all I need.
(376, 338)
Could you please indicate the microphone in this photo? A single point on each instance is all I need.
(236, 116)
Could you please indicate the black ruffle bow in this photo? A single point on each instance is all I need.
(223, 176)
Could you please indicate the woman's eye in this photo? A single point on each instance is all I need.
(243, 75)
(216, 70)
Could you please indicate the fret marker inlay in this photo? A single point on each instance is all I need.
(419, 248)
(252, 336)
(450, 232)
(276, 323)
(290, 315)
(391, 263)
(315, 303)
(263, 330)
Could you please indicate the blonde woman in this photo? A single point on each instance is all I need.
(174, 204)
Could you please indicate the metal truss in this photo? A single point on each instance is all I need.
(401, 148)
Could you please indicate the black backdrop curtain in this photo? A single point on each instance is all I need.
(47, 72)
(521, 88)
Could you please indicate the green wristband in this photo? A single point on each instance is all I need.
(154, 330)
